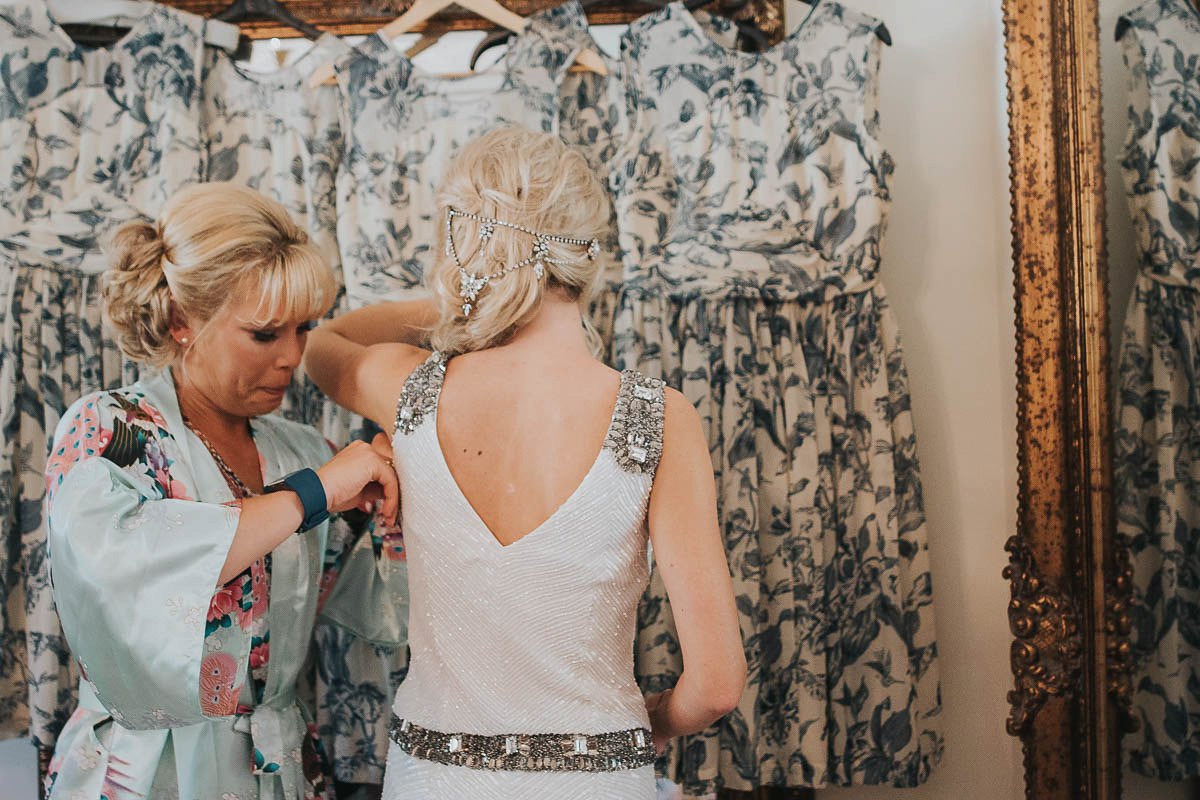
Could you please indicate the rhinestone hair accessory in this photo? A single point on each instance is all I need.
(472, 285)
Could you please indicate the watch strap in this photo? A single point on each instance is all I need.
(308, 488)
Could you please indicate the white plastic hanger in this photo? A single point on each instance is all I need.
(490, 10)
(126, 12)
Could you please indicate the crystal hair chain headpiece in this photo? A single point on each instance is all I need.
(472, 285)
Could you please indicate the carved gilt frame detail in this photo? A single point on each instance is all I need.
(1069, 613)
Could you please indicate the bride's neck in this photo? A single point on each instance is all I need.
(556, 330)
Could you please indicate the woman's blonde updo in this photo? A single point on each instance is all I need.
(529, 179)
(213, 242)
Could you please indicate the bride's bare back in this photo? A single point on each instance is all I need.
(520, 433)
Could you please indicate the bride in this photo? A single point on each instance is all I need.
(531, 477)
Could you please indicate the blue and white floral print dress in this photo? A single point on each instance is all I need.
(587, 121)
(1157, 445)
(404, 126)
(92, 138)
(751, 194)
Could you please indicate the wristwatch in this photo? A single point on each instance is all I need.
(308, 488)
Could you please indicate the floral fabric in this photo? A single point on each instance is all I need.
(404, 126)
(1156, 448)
(92, 138)
(751, 193)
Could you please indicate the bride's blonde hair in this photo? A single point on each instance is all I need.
(528, 179)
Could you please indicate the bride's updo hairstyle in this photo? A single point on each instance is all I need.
(212, 243)
(529, 179)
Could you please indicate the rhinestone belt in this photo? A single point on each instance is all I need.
(531, 752)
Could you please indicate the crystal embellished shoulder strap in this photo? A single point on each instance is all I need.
(635, 436)
(419, 397)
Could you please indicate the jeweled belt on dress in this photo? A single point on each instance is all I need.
(531, 752)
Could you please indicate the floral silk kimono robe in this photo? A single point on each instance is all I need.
(189, 690)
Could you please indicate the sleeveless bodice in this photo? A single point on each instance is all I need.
(1160, 43)
(93, 138)
(754, 174)
(535, 636)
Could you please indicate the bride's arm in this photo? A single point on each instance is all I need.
(405, 321)
(690, 556)
(360, 359)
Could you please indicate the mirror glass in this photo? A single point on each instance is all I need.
(1150, 54)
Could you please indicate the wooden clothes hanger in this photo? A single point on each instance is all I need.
(493, 39)
(490, 10)
(499, 37)
(115, 15)
(426, 41)
(270, 9)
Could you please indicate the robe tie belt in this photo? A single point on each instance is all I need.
(276, 731)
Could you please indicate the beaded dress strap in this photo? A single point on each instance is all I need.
(635, 435)
(419, 397)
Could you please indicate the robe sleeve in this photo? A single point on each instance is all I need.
(135, 563)
(366, 581)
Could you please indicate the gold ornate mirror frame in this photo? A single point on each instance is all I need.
(1069, 655)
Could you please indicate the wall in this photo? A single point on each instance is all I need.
(948, 273)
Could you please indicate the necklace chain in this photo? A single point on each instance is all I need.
(236, 485)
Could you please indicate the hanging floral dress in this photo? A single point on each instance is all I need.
(403, 128)
(1156, 449)
(277, 135)
(92, 138)
(751, 193)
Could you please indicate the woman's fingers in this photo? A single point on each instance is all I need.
(390, 486)
(380, 444)
(368, 501)
(361, 473)
(387, 481)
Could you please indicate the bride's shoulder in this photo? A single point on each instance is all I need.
(381, 375)
(393, 361)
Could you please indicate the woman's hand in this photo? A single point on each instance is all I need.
(360, 475)
(656, 707)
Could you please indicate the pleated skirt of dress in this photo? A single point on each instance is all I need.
(52, 351)
(1156, 453)
(807, 411)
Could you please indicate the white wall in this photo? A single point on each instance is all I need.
(1122, 264)
(948, 273)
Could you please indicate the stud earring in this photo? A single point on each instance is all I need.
(183, 340)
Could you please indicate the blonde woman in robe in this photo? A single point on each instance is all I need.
(189, 527)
